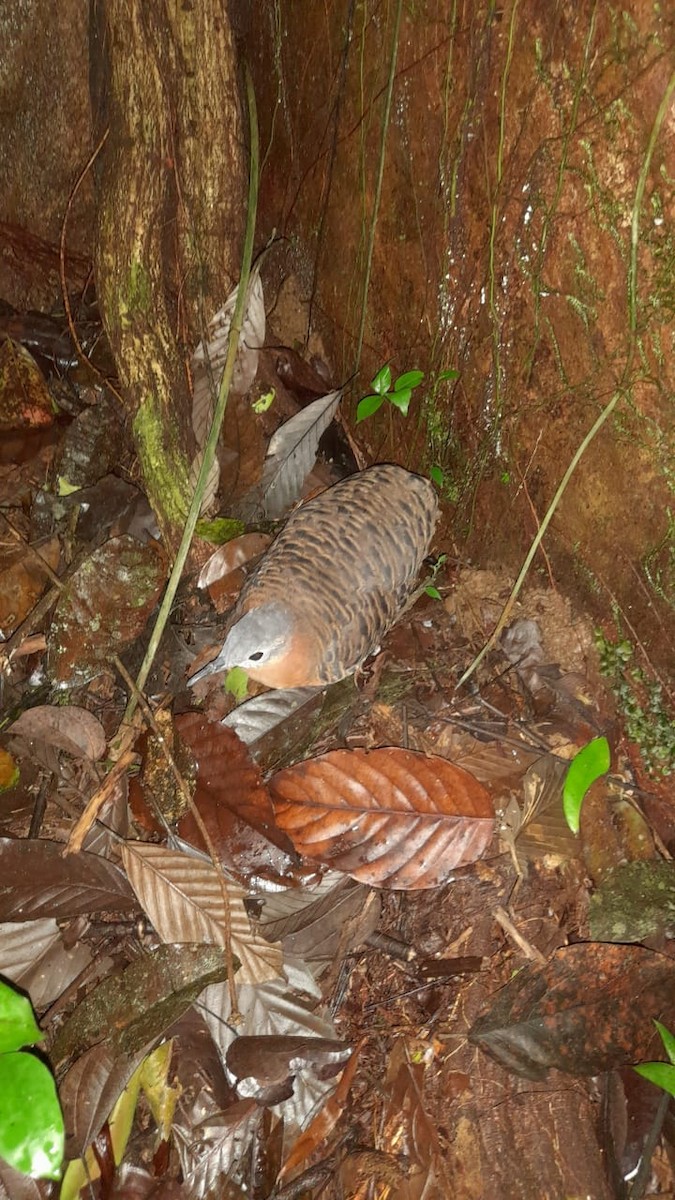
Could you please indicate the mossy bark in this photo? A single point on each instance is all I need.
(170, 214)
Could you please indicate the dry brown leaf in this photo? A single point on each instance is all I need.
(23, 580)
(67, 727)
(183, 898)
(25, 401)
(390, 818)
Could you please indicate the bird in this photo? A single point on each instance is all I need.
(333, 581)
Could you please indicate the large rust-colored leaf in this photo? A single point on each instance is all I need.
(37, 881)
(590, 1008)
(183, 898)
(390, 818)
(103, 608)
(234, 804)
(130, 1009)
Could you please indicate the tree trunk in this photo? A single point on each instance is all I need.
(170, 214)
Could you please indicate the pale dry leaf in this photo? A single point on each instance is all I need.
(231, 556)
(257, 716)
(183, 898)
(208, 361)
(212, 481)
(292, 453)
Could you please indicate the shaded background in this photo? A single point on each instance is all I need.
(502, 245)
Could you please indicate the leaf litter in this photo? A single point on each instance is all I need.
(353, 919)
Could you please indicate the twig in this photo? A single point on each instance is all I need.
(502, 918)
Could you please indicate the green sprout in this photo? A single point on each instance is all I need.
(662, 1074)
(400, 394)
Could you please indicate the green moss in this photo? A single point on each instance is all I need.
(222, 530)
(140, 289)
(641, 703)
(165, 468)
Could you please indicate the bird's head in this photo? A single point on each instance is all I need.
(258, 642)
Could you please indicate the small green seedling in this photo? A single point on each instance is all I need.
(587, 766)
(264, 402)
(236, 683)
(399, 394)
(31, 1123)
(431, 589)
(662, 1074)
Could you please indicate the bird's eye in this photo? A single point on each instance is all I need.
(255, 657)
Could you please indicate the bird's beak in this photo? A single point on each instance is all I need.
(211, 668)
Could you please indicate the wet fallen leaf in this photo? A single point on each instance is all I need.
(131, 1008)
(23, 579)
(390, 818)
(67, 727)
(265, 1066)
(211, 1151)
(25, 400)
(323, 1124)
(634, 902)
(37, 881)
(230, 557)
(587, 1010)
(93, 444)
(292, 453)
(90, 1089)
(234, 804)
(34, 955)
(103, 608)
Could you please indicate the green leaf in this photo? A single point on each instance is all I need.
(451, 373)
(31, 1124)
(433, 592)
(411, 379)
(236, 683)
(382, 381)
(587, 766)
(264, 402)
(368, 406)
(668, 1041)
(662, 1074)
(437, 476)
(17, 1024)
(401, 400)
